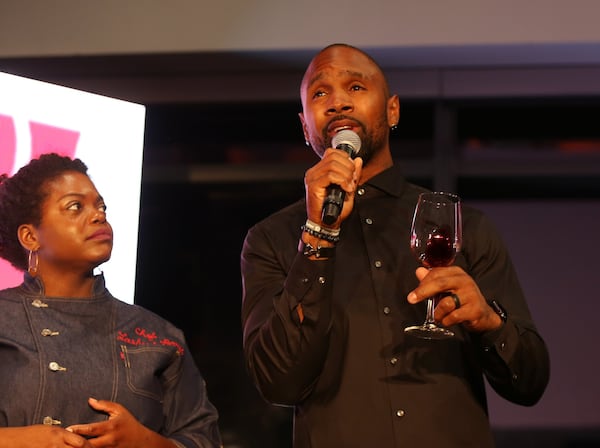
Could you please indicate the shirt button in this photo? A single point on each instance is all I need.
(515, 377)
(305, 280)
(361, 191)
(322, 280)
(386, 310)
(55, 367)
(503, 346)
(393, 361)
(378, 264)
(369, 221)
(400, 413)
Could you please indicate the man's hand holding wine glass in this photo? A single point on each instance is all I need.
(474, 312)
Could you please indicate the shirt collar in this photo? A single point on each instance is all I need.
(390, 181)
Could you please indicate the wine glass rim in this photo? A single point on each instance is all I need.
(452, 196)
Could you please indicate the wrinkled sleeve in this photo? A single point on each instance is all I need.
(284, 356)
(191, 419)
(514, 357)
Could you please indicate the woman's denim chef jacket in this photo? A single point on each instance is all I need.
(55, 353)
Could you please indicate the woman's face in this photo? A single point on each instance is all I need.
(74, 233)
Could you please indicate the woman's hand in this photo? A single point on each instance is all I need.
(121, 430)
(40, 436)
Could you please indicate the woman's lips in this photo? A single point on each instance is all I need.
(101, 235)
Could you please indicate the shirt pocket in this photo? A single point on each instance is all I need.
(145, 369)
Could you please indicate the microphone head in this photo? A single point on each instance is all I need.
(347, 138)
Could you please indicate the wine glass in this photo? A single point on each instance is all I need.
(435, 239)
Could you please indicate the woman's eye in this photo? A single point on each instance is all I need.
(103, 208)
(74, 206)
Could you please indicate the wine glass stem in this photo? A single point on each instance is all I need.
(429, 319)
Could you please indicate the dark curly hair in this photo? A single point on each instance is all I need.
(21, 199)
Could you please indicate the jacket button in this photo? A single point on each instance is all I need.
(48, 332)
(50, 421)
(55, 367)
(39, 304)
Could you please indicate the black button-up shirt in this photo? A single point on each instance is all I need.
(352, 374)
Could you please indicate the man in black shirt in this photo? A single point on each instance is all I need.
(325, 305)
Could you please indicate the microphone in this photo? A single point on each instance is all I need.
(348, 141)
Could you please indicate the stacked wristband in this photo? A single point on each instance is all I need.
(323, 233)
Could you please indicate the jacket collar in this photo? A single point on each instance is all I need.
(35, 286)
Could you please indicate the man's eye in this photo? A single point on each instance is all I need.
(74, 206)
(356, 87)
(103, 208)
(318, 94)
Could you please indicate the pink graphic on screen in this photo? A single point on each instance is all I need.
(8, 143)
(45, 138)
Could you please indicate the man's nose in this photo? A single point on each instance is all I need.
(339, 101)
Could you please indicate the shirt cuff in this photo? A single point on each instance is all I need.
(305, 274)
(503, 341)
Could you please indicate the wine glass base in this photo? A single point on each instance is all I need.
(429, 331)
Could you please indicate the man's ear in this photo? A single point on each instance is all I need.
(304, 130)
(27, 235)
(393, 110)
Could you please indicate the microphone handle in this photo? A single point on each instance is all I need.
(334, 201)
(332, 205)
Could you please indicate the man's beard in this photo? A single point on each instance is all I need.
(370, 145)
(372, 141)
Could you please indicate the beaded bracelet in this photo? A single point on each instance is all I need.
(323, 234)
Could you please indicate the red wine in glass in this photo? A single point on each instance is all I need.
(439, 249)
(436, 236)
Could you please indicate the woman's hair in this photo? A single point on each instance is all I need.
(21, 199)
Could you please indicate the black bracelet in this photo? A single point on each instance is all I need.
(320, 235)
(499, 310)
(308, 250)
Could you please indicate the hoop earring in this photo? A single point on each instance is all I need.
(306, 142)
(32, 262)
